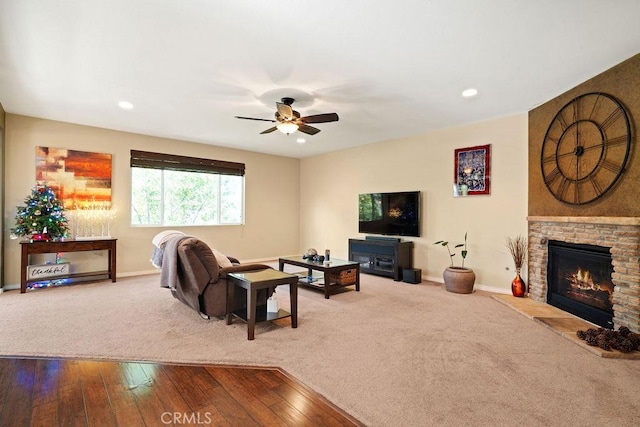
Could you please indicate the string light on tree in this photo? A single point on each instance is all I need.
(42, 216)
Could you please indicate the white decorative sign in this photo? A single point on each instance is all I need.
(47, 270)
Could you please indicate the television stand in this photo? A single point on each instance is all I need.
(382, 256)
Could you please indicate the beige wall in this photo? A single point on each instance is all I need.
(296, 204)
(272, 191)
(330, 185)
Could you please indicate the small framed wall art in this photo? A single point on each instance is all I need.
(472, 172)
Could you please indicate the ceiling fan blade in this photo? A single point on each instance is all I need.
(320, 118)
(253, 118)
(285, 111)
(309, 130)
(268, 130)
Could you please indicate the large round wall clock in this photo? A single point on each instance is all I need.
(586, 148)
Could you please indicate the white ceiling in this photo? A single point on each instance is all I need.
(389, 69)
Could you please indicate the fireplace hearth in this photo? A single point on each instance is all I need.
(619, 288)
(579, 281)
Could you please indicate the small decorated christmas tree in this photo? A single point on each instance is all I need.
(42, 217)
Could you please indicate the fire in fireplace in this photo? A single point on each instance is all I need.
(579, 281)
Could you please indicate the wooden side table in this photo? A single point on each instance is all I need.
(253, 281)
(29, 248)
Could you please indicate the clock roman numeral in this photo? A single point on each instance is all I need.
(551, 176)
(576, 109)
(596, 107)
(563, 122)
(615, 115)
(616, 141)
(609, 165)
(563, 188)
(596, 185)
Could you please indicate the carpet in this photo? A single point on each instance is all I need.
(392, 354)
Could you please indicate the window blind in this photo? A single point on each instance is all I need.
(146, 159)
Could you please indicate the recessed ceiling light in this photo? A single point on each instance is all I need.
(125, 105)
(468, 93)
(301, 140)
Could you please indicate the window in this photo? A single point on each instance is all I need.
(177, 190)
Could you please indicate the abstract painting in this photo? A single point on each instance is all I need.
(80, 178)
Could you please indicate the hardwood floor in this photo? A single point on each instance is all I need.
(62, 392)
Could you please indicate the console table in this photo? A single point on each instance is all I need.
(29, 248)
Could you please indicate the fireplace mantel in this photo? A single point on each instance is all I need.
(610, 220)
(621, 234)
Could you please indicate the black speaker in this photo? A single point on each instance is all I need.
(412, 275)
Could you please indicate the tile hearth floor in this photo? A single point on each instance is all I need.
(560, 322)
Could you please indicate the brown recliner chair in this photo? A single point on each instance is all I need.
(201, 283)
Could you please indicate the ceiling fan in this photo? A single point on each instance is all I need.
(290, 121)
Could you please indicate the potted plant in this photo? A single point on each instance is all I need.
(459, 280)
(518, 248)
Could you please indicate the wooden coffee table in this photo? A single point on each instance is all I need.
(326, 281)
(253, 281)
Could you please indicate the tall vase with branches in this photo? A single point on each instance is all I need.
(518, 248)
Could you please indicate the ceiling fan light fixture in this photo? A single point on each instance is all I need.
(287, 127)
(288, 120)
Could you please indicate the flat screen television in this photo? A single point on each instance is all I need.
(394, 214)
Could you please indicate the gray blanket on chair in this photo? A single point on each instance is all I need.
(169, 273)
(156, 256)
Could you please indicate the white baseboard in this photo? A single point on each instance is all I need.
(258, 260)
(433, 279)
(477, 286)
(139, 273)
(493, 289)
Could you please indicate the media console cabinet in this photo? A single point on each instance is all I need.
(382, 256)
(29, 248)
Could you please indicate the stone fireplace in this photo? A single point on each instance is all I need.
(621, 234)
